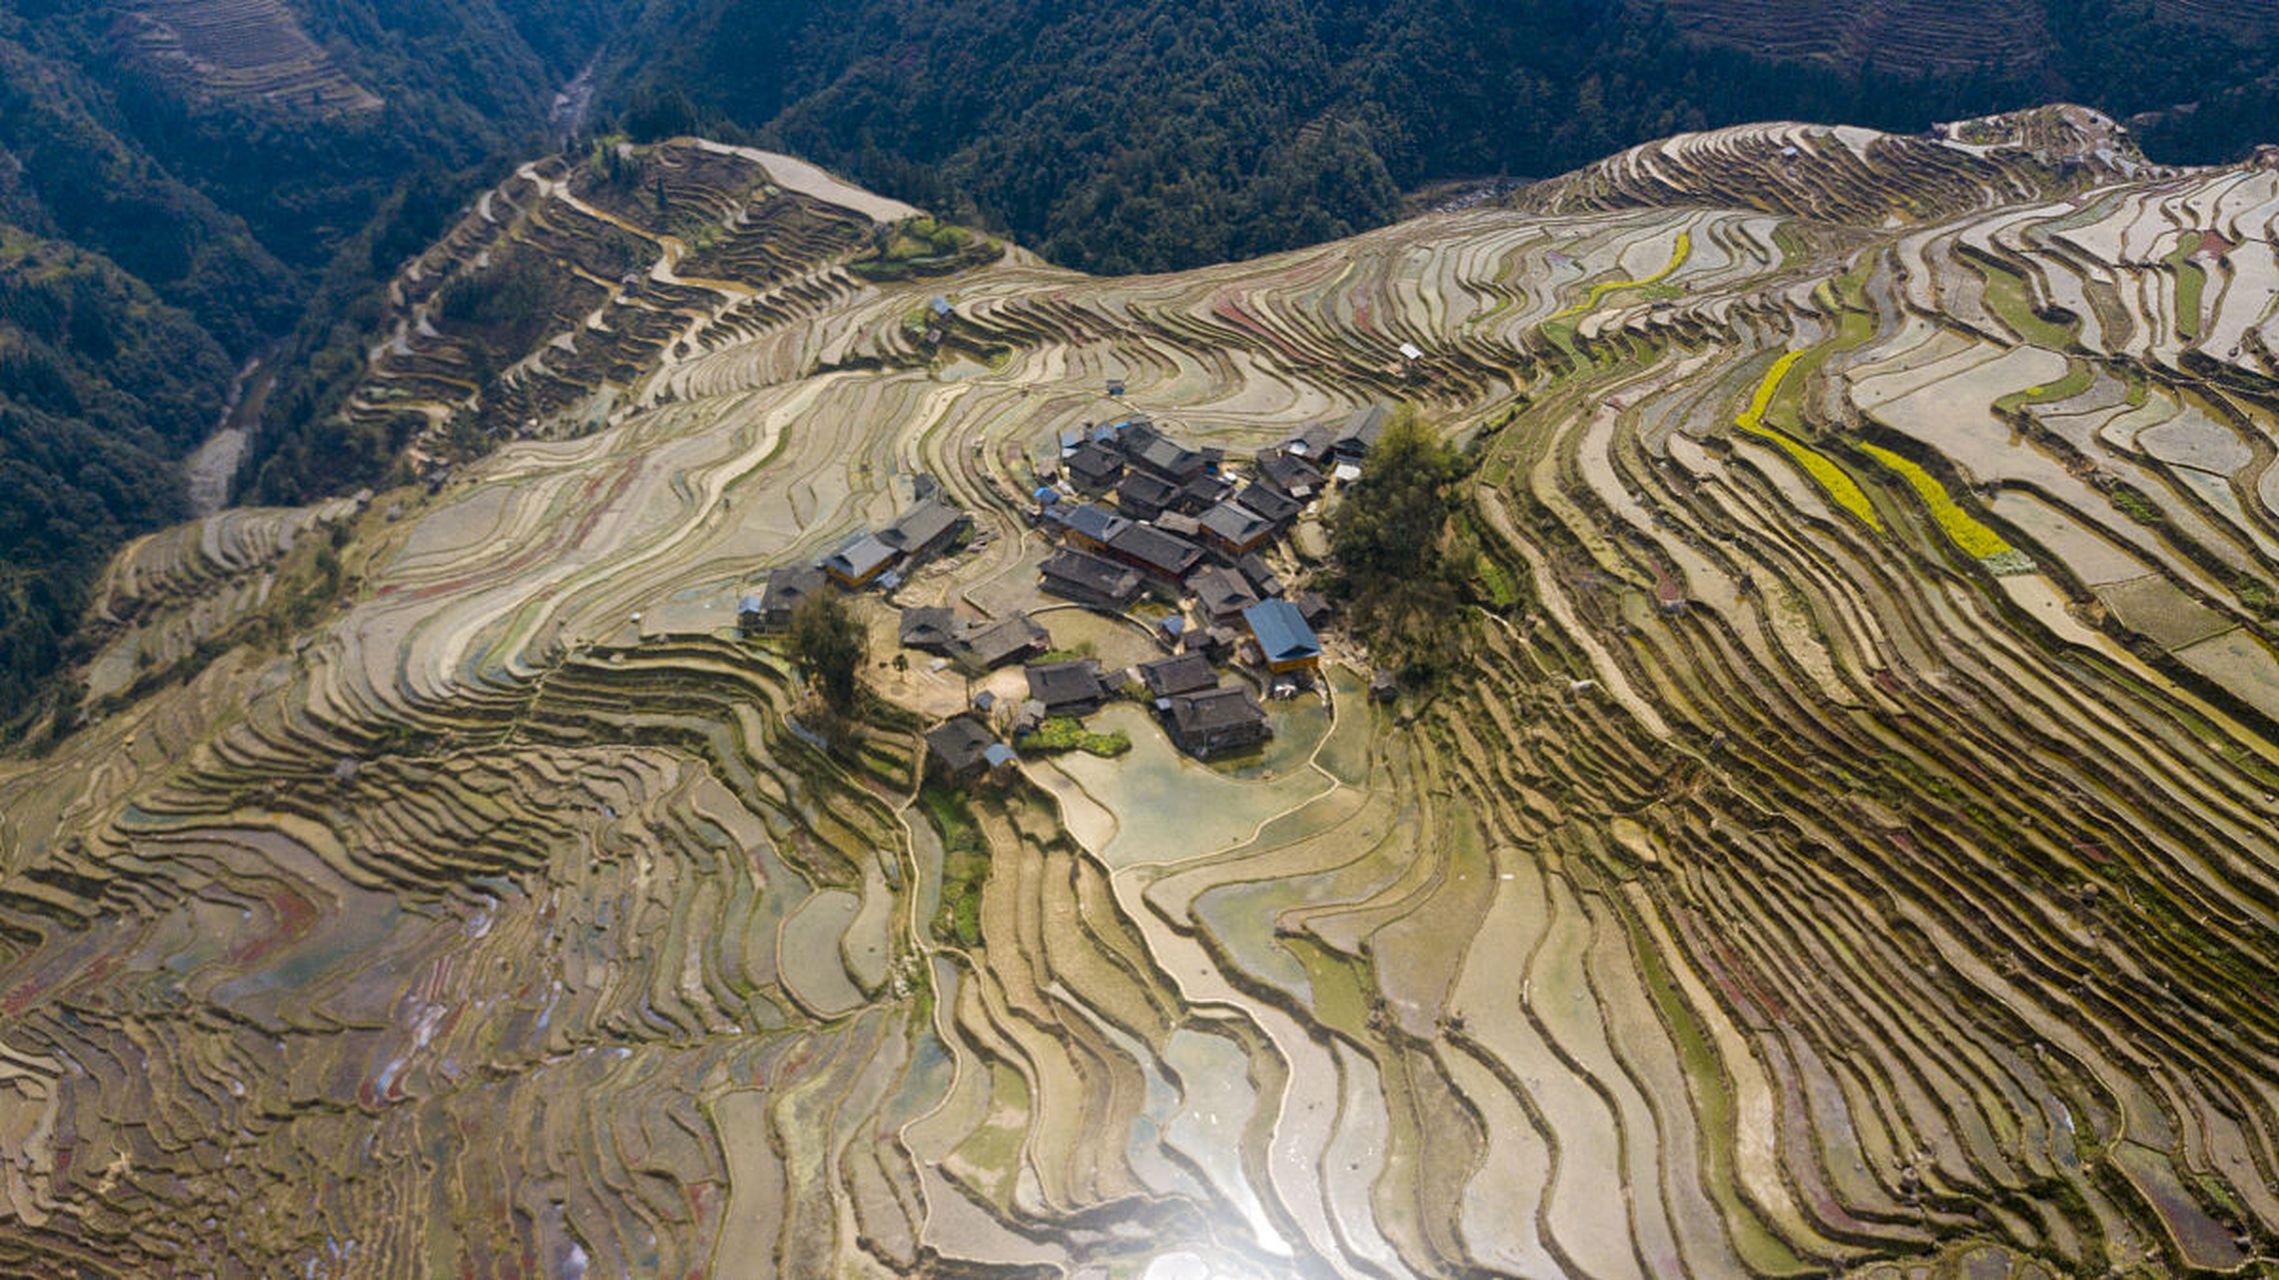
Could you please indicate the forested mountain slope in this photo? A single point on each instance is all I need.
(1157, 135)
(102, 386)
(178, 180)
(223, 149)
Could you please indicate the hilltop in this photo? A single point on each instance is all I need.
(1845, 844)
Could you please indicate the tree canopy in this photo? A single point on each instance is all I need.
(829, 646)
(1163, 134)
(1387, 537)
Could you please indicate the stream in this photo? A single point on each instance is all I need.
(208, 470)
(567, 117)
(206, 473)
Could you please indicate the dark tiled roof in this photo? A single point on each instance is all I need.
(1361, 430)
(1186, 673)
(1144, 492)
(1221, 592)
(1004, 640)
(921, 525)
(959, 744)
(1273, 504)
(1091, 575)
(1202, 491)
(1094, 465)
(1178, 524)
(1156, 550)
(1059, 684)
(1310, 442)
(1235, 524)
(1259, 575)
(1215, 711)
(1208, 639)
(1291, 475)
(788, 585)
(1096, 523)
(928, 627)
(1150, 448)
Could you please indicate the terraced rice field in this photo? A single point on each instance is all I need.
(1849, 849)
(240, 51)
(1916, 35)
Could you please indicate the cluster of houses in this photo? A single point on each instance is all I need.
(867, 558)
(980, 645)
(1135, 512)
(966, 746)
(920, 533)
(1203, 716)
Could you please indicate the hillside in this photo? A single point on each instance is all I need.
(265, 165)
(1845, 843)
(259, 168)
(243, 51)
(223, 151)
(1157, 136)
(1910, 36)
(1858, 177)
(1920, 36)
(102, 387)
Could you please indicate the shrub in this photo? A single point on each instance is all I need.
(1065, 733)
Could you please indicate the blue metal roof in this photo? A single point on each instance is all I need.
(997, 754)
(1282, 631)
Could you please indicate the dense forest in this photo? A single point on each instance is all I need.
(206, 222)
(105, 386)
(1158, 134)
